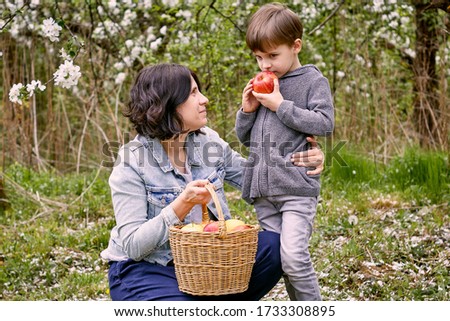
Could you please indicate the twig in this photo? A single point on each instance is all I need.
(36, 199)
(87, 188)
(327, 18)
(83, 133)
(12, 16)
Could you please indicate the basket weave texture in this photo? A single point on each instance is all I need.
(213, 263)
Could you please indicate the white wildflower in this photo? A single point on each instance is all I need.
(14, 94)
(51, 29)
(67, 75)
(353, 219)
(163, 30)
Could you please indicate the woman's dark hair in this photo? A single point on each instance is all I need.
(157, 92)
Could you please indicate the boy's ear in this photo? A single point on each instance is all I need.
(298, 45)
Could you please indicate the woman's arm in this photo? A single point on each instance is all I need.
(313, 157)
(138, 234)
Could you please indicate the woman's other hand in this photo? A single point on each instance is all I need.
(312, 157)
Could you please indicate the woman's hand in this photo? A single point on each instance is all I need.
(312, 157)
(194, 193)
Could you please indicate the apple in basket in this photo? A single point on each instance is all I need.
(192, 227)
(236, 225)
(211, 227)
(241, 228)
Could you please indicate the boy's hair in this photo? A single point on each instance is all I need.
(272, 25)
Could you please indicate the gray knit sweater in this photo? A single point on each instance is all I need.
(307, 109)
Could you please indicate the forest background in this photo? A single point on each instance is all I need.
(382, 228)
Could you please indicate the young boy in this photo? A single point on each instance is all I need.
(276, 125)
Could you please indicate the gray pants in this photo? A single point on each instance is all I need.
(292, 217)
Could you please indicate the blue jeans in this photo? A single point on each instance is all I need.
(143, 281)
(293, 218)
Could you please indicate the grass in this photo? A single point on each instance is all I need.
(382, 232)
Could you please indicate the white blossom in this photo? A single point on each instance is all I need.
(63, 54)
(67, 74)
(129, 43)
(136, 51)
(14, 93)
(112, 4)
(186, 14)
(155, 44)
(410, 52)
(340, 74)
(31, 88)
(170, 3)
(377, 5)
(163, 30)
(51, 29)
(120, 78)
(119, 65)
(128, 18)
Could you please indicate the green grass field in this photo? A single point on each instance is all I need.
(382, 232)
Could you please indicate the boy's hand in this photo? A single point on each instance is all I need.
(272, 100)
(249, 103)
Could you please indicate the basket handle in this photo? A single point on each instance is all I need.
(205, 215)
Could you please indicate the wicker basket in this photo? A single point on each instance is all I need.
(213, 263)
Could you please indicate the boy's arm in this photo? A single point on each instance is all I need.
(244, 125)
(318, 119)
(246, 115)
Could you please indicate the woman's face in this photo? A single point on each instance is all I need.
(193, 110)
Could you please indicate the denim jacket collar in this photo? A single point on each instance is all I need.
(159, 154)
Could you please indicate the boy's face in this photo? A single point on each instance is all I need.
(280, 59)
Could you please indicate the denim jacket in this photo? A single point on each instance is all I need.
(143, 184)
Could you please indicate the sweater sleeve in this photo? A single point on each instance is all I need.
(244, 124)
(317, 118)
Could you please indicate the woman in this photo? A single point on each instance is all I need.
(158, 181)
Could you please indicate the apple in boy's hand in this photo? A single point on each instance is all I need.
(263, 82)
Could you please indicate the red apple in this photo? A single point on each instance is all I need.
(211, 227)
(263, 82)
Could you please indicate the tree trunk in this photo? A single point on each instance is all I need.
(429, 114)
